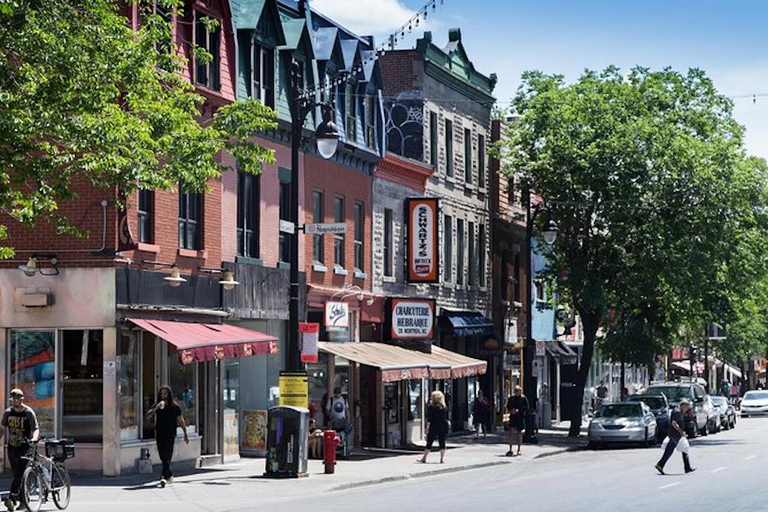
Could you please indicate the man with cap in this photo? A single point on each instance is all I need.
(676, 433)
(20, 422)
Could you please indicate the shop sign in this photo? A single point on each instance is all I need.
(336, 316)
(412, 319)
(510, 337)
(310, 332)
(541, 348)
(423, 262)
(294, 389)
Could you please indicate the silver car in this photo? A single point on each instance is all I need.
(625, 422)
(753, 403)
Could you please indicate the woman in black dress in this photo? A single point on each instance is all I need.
(437, 425)
(168, 416)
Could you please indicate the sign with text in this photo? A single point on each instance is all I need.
(336, 316)
(335, 228)
(423, 262)
(294, 389)
(310, 332)
(412, 319)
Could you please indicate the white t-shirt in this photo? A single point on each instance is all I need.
(338, 407)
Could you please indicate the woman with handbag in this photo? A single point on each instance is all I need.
(437, 425)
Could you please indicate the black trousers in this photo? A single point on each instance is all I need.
(165, 450)
(431, 436)
(18, 465)
(670, 450)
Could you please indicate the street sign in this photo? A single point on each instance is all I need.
(287, 226)
(322, 228)
(541, 348)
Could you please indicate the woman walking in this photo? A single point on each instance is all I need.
(481, 413)
(167, 414)
(437, 425)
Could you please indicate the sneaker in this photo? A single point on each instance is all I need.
(659, 469)
(690, 470)
(163, 482)
(510, 454)
(10, 505)
(170, 480)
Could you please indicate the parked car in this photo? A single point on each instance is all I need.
(659, 407)
(754, 402)
(713, 415)
(727, 411)
(624, 422)
(702, 408)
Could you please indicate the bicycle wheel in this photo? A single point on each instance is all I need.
(32, 489)
(60, 486)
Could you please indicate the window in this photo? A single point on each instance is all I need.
(82, 385)
(447, 249)
(263, 74)
(318, 216)
(207, 73)
(433, 138)
(511, 190)
(247, 215)
(359, 229)
(285, 214)
(481, 161)
(338, 239)
(481, 256)
(540, 293)
(468, 156)
(189, 220)
(128, 389)
(145, 216)
(351, 113)
(518, 277)
(182, 380)
(448, 148)
(163, 47)
(459, 252)
(388, 242)
(472, 255)
(370, 121)
(32, 368)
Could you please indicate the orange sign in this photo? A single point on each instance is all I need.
(423, 250)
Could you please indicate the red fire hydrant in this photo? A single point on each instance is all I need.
(331, 441)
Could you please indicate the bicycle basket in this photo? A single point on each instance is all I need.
(60, 449)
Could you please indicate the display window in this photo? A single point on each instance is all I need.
(33, 370)
(82, 364)
(128, 385)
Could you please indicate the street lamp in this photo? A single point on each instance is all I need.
(327, 137)
(550, 235)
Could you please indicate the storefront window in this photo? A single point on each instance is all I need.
(391, 402)
(82, 385)
(231, 383)
(414, 392)
(33, 369)
(182, 379)
(317, 376)
(128, 385)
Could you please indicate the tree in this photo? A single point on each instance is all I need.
(84, 98)
(646, 176)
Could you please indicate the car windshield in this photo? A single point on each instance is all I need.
(619, 411)
(719, 400)
(756, 395)
(674, 393)
(654, 402)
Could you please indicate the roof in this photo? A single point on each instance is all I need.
(247, 13)
(293, 30)
(349, 52)
(325, 41)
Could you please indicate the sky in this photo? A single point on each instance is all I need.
(725, 38)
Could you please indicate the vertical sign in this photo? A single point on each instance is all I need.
(422, 215)
(310, 332)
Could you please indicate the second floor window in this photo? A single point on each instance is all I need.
(459, 252)
(189, 220)
(370, 121)
(468, 156)
(471, 278)
(389, 242)
(318, 216)
(285, 214)
(481, 256)
(447, 249)
(433, 139)
(247, 215)
(448, 148)
(263, 74)
(359, 230)
(338, 239)
(145, 216)
(481, 161)
(207, 73)
(350, 104)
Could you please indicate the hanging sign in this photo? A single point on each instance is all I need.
(336, 316)
(422, 214)
(310, 332)
(541, 348)
(412, 319)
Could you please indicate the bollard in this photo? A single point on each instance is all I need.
(331, 442)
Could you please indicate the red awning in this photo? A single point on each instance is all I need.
(208, 342)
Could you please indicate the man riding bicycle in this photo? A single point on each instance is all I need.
(21, 423)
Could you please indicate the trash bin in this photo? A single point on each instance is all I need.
(287, 442)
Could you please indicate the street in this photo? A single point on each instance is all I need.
(729, 465)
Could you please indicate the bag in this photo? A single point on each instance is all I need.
(683, 446)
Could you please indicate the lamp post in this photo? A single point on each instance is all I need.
(550, 234)
(327, 137)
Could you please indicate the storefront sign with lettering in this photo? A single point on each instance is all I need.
(422, 215)
(336, 316)
(412, 319)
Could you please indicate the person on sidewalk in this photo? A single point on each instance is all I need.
(437, 425)
(339, 418)
(517, 406)
(481, 414)
(20, 422)
(168, 417)
(676, 433)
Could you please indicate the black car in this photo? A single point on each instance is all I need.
(660, 408)
(727, 411)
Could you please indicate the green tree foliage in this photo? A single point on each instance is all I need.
(84, 98)
(662, 216)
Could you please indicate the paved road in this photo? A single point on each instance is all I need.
(730, 477)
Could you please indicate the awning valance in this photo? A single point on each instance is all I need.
(397, 363)
(197, 342)
(466, 324)
(561, 351)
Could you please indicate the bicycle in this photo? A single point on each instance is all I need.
(46, 475)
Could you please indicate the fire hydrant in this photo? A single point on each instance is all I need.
(331, 442)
